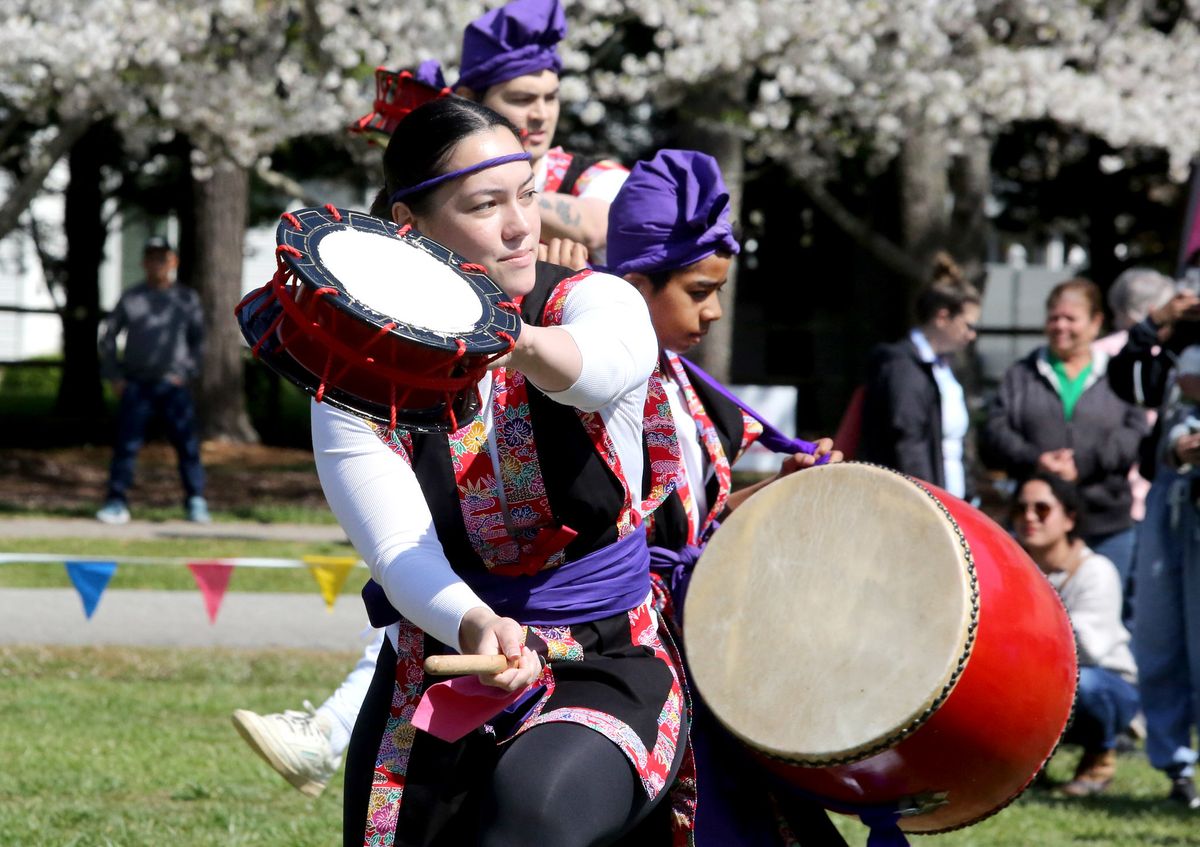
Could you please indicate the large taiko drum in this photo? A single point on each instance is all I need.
(378, 319)
(881, 644)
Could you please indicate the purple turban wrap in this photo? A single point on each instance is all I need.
(672, 211)
(430, 73)
(517, 39)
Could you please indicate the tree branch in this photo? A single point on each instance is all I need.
(52, 268)
(879, 246)
(286, 184)
(24, 192)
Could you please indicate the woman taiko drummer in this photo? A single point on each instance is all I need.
(517, 534)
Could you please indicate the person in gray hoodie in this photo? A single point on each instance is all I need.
(1056, 413)
(163, 325)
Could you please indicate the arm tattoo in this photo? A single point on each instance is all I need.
(562, 210)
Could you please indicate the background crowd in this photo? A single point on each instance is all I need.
(1079, 428)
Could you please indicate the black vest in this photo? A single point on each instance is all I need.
(574, 171)
(583, 493)
(670, 519)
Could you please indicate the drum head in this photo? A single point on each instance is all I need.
(408, 280)
(831, 614)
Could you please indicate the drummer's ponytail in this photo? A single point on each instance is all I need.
(948, 288)
(423, 143)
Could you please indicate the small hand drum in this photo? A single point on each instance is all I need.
(378, 320)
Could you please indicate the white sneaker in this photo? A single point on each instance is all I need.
(113, 512)
(296, 744)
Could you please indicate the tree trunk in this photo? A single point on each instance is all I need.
(80, 393)
(220, 226)
(723, 143)
(924, 195)
(970, 180)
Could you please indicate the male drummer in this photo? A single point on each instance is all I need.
(510, 64)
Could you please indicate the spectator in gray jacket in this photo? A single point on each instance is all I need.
(1055, 413)
(163, 326)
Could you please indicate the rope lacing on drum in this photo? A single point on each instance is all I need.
(284, 289)
(508, 306)
(292, 219)
(471, 267)
(404, 230)
(333, 212)
(282, 277)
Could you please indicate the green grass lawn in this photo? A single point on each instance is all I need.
(173, 577)
(132, 747)
(265, 512)
(129, 747)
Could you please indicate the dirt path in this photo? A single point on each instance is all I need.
(238, 476)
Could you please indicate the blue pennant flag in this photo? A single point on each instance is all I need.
(90, 580)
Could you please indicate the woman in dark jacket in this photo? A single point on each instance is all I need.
(1056, 413)
(914, 413)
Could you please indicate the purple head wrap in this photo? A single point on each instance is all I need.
(672, 211)
(430, 73)
(517, 39)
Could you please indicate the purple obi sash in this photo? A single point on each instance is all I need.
(603, 583)
(675, 567)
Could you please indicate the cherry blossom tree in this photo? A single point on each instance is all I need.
(922, 86)
(234, 78)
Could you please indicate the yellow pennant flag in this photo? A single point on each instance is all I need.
(330, 572)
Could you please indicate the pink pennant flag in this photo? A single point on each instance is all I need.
(212, 578)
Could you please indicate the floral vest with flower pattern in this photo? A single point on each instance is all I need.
(561, 492)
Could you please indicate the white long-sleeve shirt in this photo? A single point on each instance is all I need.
(1092, 597)
(378, 501)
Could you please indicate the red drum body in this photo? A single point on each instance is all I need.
(880, 643)
(378, 320)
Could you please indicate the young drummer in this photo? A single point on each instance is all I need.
(670, 235)
(480, 544)
(510, 63)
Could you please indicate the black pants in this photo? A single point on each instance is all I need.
(558, 783)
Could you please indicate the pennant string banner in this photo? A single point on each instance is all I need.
(330, 572)
(212, 578)
(90, 579)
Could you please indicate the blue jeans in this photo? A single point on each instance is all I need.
(1105, 704)
(140, 402)
(1166, 634)
(1118, 547)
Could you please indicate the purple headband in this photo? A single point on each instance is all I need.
(400, 193)
(672, 211)
(516, 39)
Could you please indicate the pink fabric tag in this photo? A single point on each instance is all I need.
(449, 710)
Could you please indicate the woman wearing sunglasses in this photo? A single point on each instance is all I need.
(1045, 515)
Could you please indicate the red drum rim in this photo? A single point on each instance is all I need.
(881, 681)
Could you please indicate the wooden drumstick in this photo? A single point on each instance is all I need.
(455, 665)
